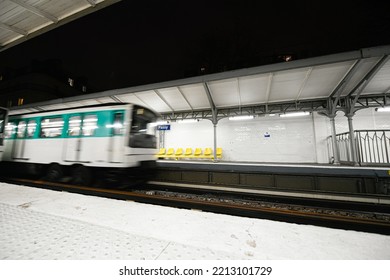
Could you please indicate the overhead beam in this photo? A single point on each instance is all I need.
(185, 98)
(92, 3)
(163, 99)
(36, 11)
(368, 77)
(304, 83)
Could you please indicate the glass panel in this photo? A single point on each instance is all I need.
(31, 128)
(118, 124)
(21, 129)
(51, 127)
(74, 126)
(89, 125)
(9, 130)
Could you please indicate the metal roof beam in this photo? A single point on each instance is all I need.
(13, 29)
(239, 92)
(211, 102)
(92, 3)
(341, 85)
(163, 99)
(185, 98)
(269, 85)
(36, 11)
(304, 83)
(358, 89)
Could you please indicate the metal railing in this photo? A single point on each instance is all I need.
(372, 147)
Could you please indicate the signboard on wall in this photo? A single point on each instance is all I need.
(164, 127)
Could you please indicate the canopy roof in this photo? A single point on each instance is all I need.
(365, 72)
(21, 20)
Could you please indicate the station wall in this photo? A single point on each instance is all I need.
(271, 139)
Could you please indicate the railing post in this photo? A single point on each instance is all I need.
(352, 139)
(334, 141)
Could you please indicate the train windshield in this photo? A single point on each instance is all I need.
(141, 134)
(3, 119)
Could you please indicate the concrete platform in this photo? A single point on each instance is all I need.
(37, 224)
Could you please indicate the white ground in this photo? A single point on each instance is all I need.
(44, 224)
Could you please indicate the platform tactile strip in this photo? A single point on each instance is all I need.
(27, 234)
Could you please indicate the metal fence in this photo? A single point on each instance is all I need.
(372, 147)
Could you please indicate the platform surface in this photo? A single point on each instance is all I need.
(47, 225)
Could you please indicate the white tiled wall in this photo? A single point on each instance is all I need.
(291, 140)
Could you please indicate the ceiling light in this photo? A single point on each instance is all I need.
(294, 114)
(188, 121)
(240, 118)
(383, 109)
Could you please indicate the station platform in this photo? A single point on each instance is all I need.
(281, 176)
(38, 224)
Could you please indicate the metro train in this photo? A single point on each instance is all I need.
(3, 121)
(108, 142)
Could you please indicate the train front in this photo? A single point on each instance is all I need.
(141, 148)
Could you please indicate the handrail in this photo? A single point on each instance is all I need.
(372, 147)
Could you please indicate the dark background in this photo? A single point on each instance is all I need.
(140, 42)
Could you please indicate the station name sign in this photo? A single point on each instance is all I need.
(164, 127)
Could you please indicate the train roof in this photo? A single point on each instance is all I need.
(112, 104)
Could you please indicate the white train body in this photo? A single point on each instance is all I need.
(105, 136)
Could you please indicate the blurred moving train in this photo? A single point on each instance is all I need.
(107, 141)
(3, 121)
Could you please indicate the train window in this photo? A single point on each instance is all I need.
(117, 128)
(21, 129)
(31, 128)
(74, 126)
(89, 125)
(9, 130)
(51, 127)
(141, 118)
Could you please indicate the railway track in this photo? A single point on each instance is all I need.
(367, 221)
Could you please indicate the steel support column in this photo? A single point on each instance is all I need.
(352, 141)
(336, 153)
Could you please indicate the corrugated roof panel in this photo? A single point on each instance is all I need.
(33, 15)
(381, 82)
(16, 15)
(153, 101)
(131, 98)
(324, 79)
(196, 96)
(32, 23)
(253, 89)
(225, 93)
(364, 67)
(174, 98)
(64, 8)
(287, 84)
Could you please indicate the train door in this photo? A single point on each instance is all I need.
(78, 148)
(20, 140)
(73, 140)
(116, 144)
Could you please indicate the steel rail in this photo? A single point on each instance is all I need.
(277, 214)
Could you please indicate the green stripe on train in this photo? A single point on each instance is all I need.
(104, 128)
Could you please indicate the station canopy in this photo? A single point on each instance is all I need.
(361, 73)
(21, 20)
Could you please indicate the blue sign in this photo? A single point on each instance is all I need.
(164, 127)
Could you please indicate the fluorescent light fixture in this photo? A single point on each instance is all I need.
(240, 118)
(294, 114)
(383, 109)
(188, 121)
